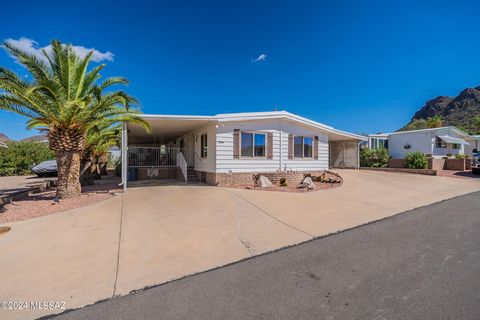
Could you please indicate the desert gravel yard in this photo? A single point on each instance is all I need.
(153, 234)
(38, 204)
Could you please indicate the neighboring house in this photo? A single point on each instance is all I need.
(378, 140)
(435, 142)
(3, 145)
(229, 148)
(474, 146)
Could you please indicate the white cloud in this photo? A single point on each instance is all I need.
(260, 58)
(31, 46)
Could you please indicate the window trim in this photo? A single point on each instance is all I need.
(303, 147)
(253, 156)
(204, 149)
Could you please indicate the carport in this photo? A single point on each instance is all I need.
(344, 154)
(168, 148)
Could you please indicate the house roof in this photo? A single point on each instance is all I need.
(434, 129)
(379, 135)
(475, 137)
(248, 116)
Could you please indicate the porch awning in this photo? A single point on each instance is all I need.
(450, 139)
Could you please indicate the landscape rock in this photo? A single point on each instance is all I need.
(308, 183)
(263, 182)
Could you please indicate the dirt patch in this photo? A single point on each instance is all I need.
(42, 203)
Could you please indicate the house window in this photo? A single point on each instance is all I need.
(203, 145)
(456, 146)
(252, 144)
(440, 143)
(377, 143)
(302, 147)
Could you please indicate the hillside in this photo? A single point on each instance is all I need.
(4, 138)
(456, 111)
(36, 138)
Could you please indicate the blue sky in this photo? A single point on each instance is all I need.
(361, 66)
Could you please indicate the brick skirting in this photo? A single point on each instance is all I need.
(246, 178)
(455, 164)
(436, 164)
(396, 163)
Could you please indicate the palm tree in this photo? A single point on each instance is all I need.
(435, 122)
(95, 156)
(66, 99)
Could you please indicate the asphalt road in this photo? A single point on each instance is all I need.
(422, 264)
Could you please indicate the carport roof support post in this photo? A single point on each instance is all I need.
(124, 155)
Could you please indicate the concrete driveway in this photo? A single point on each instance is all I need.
(154, 234)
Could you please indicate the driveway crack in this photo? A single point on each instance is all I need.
(269, 214)
(247, 245)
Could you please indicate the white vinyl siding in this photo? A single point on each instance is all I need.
(224, 147)
(422, 141)
(208, 163)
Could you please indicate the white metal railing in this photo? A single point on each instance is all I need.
(182, 164)
(153, 156)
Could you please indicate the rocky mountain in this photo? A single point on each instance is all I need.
(4, 138)
(458, 111)
(36, 138)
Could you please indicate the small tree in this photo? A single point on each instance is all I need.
(416, 160)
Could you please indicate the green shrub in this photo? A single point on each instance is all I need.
(416, 160)
(461, 156)
(20, 157)
(377, 158)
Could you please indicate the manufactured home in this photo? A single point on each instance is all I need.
(435, 142)
(228, 149)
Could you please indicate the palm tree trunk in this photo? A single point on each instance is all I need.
(68, 146)
(103, 169)
(102, 164)
(68, 184)
(86, 175)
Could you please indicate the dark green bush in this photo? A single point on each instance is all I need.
(20, 157)
(377, 158)
(416, 160)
